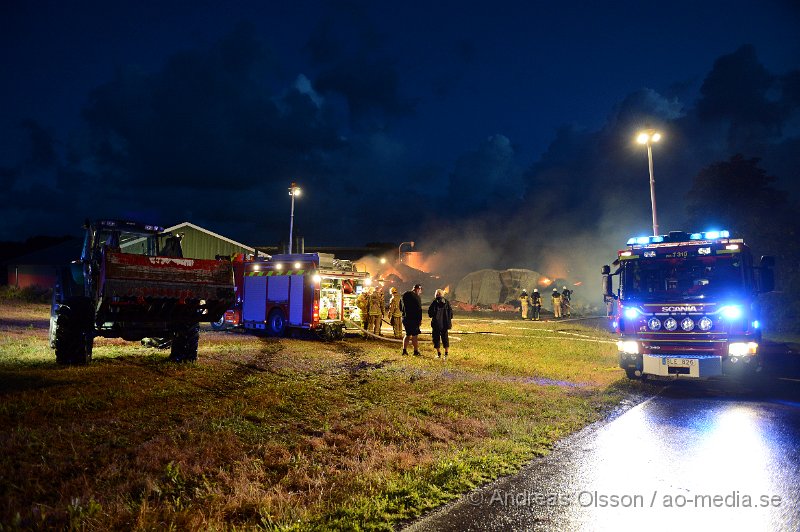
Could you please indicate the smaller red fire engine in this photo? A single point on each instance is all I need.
(312, 291)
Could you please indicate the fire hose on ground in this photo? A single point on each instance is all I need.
(354, 325)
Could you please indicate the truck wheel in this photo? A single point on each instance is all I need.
(631, 374)
(276, 323)
(71, 335)
(184, 344)
(332, 332)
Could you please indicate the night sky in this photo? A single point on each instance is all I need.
(499, 134)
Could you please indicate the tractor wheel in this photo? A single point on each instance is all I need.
(184, 344)
(276, 323)
(71, 334)
(220, 324)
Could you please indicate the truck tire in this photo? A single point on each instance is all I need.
(631, 374)
(71, 334)
(332, 332)
(276, 323)
(184, 344)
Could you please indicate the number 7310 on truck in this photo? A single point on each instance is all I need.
(688, 305)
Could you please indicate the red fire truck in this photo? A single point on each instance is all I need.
(312, 291)
(687, 305)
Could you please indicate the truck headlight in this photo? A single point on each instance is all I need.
(628, 346)
(740, 349)
(670, 324)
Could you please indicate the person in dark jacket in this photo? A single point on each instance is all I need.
(411, 307)
(536, 304)
(441, 315)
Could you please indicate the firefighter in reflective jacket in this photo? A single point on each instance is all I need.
(362, 302)
(395, 314)
(536, 303)
(375, 311)
(556, 297)
(524, 300)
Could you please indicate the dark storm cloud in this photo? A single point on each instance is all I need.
(205, 120)
(488, 176)
(354, 66)
(43, 152)
(753, 115)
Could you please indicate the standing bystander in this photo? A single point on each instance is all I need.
(441, 314)
(411, 307)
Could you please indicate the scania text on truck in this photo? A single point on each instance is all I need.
(688, 306)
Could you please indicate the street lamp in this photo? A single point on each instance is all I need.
(399, 253)
(648, 137)
(294, 190)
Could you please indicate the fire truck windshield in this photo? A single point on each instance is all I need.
(682, 278)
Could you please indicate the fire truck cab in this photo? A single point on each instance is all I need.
(688, 307)
(312, 291)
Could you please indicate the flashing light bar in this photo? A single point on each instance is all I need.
(707, 235)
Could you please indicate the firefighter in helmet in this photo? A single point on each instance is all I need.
(556, 298)
(395, 314)
(536, 304)
(375, 311)
(523, 302)
(566, 302)
(362, 302)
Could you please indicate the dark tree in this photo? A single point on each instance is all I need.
(738, 195)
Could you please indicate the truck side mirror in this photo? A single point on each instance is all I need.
(766, 275)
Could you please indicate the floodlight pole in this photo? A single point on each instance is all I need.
(652, 187)
(647, 137)
(294, 190)
(399, 253)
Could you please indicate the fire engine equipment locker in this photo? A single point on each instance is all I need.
(255, 305)
(296, 301)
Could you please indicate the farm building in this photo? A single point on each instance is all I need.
(39, 268)
(200, 243)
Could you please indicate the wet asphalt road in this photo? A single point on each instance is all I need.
(683, 456)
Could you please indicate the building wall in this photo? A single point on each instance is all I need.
(24, 276)
(199, 245)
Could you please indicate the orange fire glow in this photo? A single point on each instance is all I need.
(544, 281)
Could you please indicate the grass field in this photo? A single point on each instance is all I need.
(283, 433)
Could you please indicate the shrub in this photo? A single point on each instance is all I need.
(29, 294)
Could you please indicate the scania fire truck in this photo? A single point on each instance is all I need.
(687, 305)
(312, 291)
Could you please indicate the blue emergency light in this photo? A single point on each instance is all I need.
(657, 239)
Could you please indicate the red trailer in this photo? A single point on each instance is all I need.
(312, 291)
